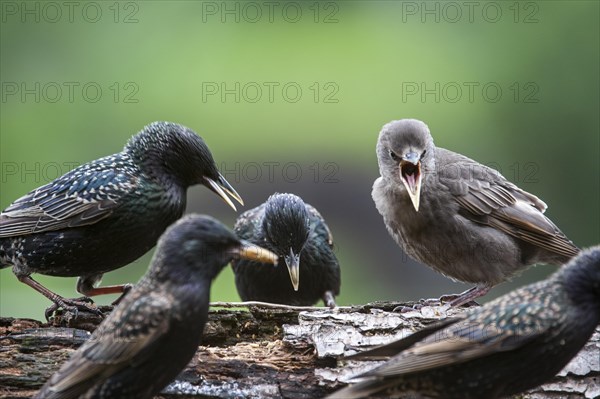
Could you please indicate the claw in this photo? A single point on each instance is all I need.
(329, 299)
(73, 306)
(126, 289)
(406, 309)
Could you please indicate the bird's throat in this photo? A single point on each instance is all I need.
(411, 177)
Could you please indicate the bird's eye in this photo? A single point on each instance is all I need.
(423, 154)
(394, 156)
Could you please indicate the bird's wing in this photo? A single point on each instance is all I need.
(81, 197)
(469, 339)
(124, 339)
(386, 351)
(247, 222)
(320, 225)
(486, 197)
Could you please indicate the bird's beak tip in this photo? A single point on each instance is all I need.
(412, 182)
(293, 265)
(229, 189)
(222, 187)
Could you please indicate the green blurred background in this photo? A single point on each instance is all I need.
(78, 82)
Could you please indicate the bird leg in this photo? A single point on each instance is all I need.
(125, 288)
(328, 299)
(469, 295)
(72, 305)
(86, 286)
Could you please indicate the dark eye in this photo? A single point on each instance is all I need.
(423, 154)
(394, 156)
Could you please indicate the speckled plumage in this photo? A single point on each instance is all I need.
(155, 331)
(472, 225)
(282, 223)
(507, 346)
(108, 212)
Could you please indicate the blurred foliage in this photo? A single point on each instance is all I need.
(160, 59)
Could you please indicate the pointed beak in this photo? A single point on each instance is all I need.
(410, 174)
(253, 252)
(292, 261)
(222, 187)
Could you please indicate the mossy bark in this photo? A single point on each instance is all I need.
(266, 352)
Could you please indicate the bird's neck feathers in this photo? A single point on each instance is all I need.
(186, 262)
(159, 167)
(581, 280)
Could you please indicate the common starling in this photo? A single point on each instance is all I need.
(297, 233)
(459, 217)
(507, 346)
(108, 212)
(156, 329)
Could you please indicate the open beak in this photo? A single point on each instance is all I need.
(292, 261)
(253, 252)
(222, 187)
(410, 174)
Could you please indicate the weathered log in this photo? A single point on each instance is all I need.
(269, 352)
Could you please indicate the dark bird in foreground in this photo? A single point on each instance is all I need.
(108, 212)
(156, 329)
(507, 346)
(457, 216)
(297, 233)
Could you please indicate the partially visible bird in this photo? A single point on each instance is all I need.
(296, 232)
(108, 212)
(507, 346)
(156, 329)
(457, 216)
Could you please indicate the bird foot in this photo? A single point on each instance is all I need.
(450, 299)
(126, 289)
(467, 298)
(469, 304)
(73, 306)
(419, 305)
(441, 301)
(329, 300)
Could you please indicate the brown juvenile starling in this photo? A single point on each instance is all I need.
(457, 216)
(507, 346)
(154, 332)
(108, 212)
(297, 232)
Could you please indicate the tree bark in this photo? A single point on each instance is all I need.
(269, 352)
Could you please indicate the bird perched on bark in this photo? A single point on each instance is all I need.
(107, 213)
(457, 216)
(154, 332)
(296, 232)
(507, 346)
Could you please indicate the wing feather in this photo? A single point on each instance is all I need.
(81, 197)
(486, 197)
(123, 340)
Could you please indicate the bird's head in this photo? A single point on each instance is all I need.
(404, 152)
(581, 279)
(201, 245)
(173, 153)
(287, 228)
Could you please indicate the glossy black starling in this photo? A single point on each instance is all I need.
(108, 212)
(156, 329)
(507, 346)
(457, 216)
(297, 233)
